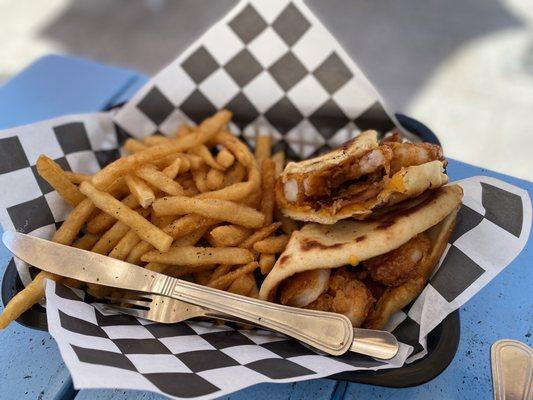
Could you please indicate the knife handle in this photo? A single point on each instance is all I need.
(329, 332)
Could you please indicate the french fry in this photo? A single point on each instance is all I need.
(203, 152)
(288, 225)
(187, 224)
(111, 238)
(178, 272)
(133, 146)
(189, 256)
(272, 244)
(235, 175)
(221, 270)
(179, 229)
(242, 285)
(51, 172)
(70, 228)
(183, 130)
(263, 148)
(230, 235)
(107, 203)
(140, 190)
(124, 246)
(26, 298)
(175, 168)
(86, 242)
(211, 208)
(225, 158)
(137, 252)
(200, 178)
(155, 140)
(76, 177)
(162, 221)
(207, 130)
(260, 235)
(267, 188)
(103, 221)
(214, 179)
(195, 161)
(159, 180)
(225, 281)
(266, 263)
(202, 277)
(279, 162)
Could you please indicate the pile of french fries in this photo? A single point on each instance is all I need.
(198, 205)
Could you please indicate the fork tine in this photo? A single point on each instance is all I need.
(141, 303)
(130, 311)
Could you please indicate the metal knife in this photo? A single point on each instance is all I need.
(328, 332)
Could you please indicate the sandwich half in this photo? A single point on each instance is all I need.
(366, 270)
(358, 178)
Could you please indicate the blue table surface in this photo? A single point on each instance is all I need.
(31, 364)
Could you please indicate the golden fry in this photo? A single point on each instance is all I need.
(243, 285)
(288, 225)
(263, 148)
(86, 242)
(70, 228)
(107, 203)
(279, 162)
(225, 158)
(200, 178)
(159, 180)
(202, 277)
(221, 270)
(272, 244)
(203, 152)
(175, 168)
(207, 130)
(195, 161)
(189, 255)
(155, 140)
(267, 189)
(133, 146)
(25, 299)
(76, 177)
(111, 238)
(230, 235)
(225, 281)
(51, 172)
(260, 235)
(124, 246)
(266, 263)
(214, 179)
(183, 130)
(103, 221)
(235, 175)
(211, 208)
(140, 190)
(137, 252)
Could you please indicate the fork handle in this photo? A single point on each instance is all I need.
(329, 332)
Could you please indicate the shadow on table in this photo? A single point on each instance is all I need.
(399, 44)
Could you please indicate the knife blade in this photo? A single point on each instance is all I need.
(79, 264)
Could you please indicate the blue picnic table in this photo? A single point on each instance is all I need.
(30, 363)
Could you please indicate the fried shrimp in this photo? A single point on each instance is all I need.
(304, 288)
(409, 154)
(345, 295)
(398, 266)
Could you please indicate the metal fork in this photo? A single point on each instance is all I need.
(374, 343)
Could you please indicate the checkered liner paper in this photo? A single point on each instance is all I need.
(277, 68)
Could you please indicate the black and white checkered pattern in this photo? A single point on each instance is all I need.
(302, 88)
(277, 69)
(83, 143)
(190, 359)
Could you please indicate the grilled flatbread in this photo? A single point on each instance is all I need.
(351, 242)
